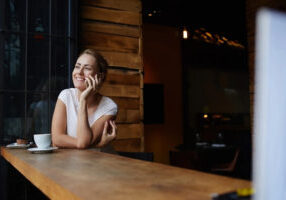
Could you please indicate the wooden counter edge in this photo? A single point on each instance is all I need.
(42, 182)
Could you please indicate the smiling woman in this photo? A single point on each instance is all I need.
(83, 118)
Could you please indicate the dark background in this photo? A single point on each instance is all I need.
(223, 17)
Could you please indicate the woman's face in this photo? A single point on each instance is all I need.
(84, 66)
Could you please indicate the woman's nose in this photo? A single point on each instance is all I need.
(80, 70)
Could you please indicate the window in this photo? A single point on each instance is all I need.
(37, 49)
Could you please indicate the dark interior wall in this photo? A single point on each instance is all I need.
(216, 91)
(162, 65)
(215, 80)
(212, 80)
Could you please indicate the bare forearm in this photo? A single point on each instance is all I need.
(64, 141)
(107, 136)
(84, 132)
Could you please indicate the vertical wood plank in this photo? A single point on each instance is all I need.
(141, 84)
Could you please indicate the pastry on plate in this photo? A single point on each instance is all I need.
(21, 141)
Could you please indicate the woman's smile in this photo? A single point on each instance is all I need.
(80, 78)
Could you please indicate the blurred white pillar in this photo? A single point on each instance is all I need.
(269, 167)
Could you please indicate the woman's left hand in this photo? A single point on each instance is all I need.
(109, 133)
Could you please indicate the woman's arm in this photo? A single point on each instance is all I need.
(109, 133)
(83, 131)
(99, 130)
(59, 128)
(85, 135)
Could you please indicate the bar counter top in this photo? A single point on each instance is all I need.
(88, 174)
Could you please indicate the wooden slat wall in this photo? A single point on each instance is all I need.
(251, 9)
(113, 28)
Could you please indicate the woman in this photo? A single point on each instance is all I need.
(83, 118)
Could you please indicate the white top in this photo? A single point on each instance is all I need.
(70, 98)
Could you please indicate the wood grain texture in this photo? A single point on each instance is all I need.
(126, 103)
(120, 90)
(123, 59)
(87, 174)
(123, 77)
(141, 82)
(126, 131)
(128, 116)
(131, 5)
(48, 186)
(116, 29)
(110, 15)
(105, 42)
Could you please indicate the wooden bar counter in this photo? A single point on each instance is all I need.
(87, 174)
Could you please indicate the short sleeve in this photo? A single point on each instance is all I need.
(63, 96)
(109, 107)
(112, 111)
(106, 107)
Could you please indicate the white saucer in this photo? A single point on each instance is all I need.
(17, 146)
(41, 150)
(201, 143)
(218, 145)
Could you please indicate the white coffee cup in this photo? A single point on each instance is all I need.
(43, 141)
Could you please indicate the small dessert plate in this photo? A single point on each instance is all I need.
(18, 146)
(40, 150)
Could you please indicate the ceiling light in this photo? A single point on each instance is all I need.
(185, 34)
